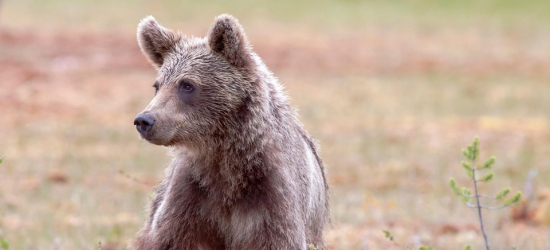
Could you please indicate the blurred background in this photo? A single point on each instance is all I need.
(392, 90)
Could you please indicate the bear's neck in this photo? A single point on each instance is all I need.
(231, 166)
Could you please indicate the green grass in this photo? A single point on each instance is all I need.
(323, 14)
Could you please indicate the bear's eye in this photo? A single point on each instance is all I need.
(186, 86)
(156, 86)
(186, 90)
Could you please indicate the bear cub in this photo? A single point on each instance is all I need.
(245, 174)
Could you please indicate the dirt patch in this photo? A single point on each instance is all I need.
(31, 62)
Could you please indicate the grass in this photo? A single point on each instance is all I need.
(324, 14)
(392, 90)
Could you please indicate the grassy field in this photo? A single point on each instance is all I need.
(392, 91)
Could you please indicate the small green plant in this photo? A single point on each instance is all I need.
(389, 235)
(4, 243)
(474, 172)
(313, 247)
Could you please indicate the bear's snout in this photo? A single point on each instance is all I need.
(144, 123)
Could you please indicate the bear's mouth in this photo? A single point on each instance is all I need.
(157, 142)
(161, 139)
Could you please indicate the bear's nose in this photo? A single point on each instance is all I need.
(144, 123)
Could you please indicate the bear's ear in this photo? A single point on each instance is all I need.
(155, 41)
(226, 37)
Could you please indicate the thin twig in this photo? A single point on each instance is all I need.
(133, 178)
(477, 201)
(480, 196)
(489, 207)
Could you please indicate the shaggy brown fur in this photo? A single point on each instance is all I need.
(245, 174)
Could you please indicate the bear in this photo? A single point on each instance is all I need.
(245, 174)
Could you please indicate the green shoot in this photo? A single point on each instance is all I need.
(472, 170)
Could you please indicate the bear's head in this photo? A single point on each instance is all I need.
(202, 83)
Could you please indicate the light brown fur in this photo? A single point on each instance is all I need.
(245, 174)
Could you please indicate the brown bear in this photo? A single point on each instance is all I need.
(245, 173)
